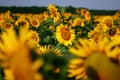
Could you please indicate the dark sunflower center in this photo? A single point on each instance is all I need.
(8, 26)
(34, 22)
(22, 23)
(65, 33)
(112, 32)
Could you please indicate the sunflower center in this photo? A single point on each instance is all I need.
(8, 26)
(22, 23)
(112, 32)
(65, 33)
(34, 22)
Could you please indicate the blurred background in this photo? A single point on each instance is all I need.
(89, 4)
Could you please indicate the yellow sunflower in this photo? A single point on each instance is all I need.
(78, 22)
(114, 49)
(86, 14)
(112, 33)
(54, 12)
(108, 20)
(76, 69)
(34, 38)
(34, 22)
(117, 15)
(84, 49)
(7, 25)
(29, 37)
(22, 23)
(64, 35)
(99, 30)
(1, 19)
(15, 58)
(41, 50)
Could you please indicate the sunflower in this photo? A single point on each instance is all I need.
(114, 49)
(86, 14)
(64, 35)
(29, 37)
(99, 30)
(84, 49)
(7, 38)
(42, 17)
(52, 8)
(43, 50)
(108, 20)
(75, 70)
(13, 53)
(1, 19)
(33, 39)
(66, 15)
(22, 22)
(54, 12)
(7, 25)
(78, 22)
(112, 33)
(34, 22)
(117, 15)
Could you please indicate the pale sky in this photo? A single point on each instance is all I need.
(90, 4)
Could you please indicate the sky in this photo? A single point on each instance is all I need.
(89, 4)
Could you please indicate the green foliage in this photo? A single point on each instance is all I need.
(51, 63)
(1, 73)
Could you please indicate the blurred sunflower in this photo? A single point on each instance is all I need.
(15, 58)
(99, 30)
(112, 33)
(78, 22)
(54, 12)
(64, 35)
(29, 37)
(114, 49)
(76, 69)
(7, 16)
(41, 17)
(7, 25)
(43, 50)
(84, 49)
(22, 22)
(108, 20)
(86, 14)
(33, 38)
(66, 15)
(34, 22)
(1, 19)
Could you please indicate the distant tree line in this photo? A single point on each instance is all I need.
(35, 9)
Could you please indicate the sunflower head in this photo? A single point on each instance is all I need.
(33, 38)
(86, 14)
(22, 23)
(7, 25)
(65, 35)
(108, 20)
(34, 22)
(78, 22)
(52, 8)
(54, 13)
(43, 50)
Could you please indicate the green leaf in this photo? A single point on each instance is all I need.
(46, 39)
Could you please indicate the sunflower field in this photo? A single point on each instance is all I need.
(59, 45)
